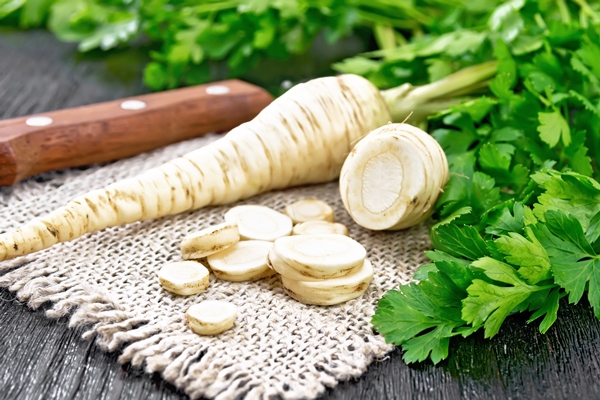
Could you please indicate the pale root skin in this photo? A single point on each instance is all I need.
(330, 291)
(184, 278)
(209, 241)
(303, 137)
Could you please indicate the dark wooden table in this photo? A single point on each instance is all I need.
(42, 358)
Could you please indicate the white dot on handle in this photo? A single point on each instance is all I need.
(133, 105)
(217, 89)
(39, 121)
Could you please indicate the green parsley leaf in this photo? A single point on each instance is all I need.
(554, 127)
(505, 222)
(589, 53)
(495, 156)
(406, 317)
(549, 310)
(489, 304)
(576, 154)
(357, 65)
(571, 193)
(464, 241)
(574, 261)
(9, 6)
(529, 255)
(459, 273)
(593, 231)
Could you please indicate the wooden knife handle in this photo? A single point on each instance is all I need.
(122, 128)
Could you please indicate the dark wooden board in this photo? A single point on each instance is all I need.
(41, 358)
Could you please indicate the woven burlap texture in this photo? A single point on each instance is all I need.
(107, 281)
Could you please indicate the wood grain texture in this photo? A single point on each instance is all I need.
(42, 358)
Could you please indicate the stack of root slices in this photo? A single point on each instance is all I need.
(321, 269)
(317, 261)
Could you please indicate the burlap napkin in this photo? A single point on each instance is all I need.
(278, 347)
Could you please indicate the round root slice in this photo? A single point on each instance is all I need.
(209, 241)
(330, 291)
(184, 278)
(318, 227)
(276, 264)
(309, 210)
(244, 261)
(392, 178)
(320, 256)
(211, 317)
(259, 222)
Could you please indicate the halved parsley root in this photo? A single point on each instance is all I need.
(393, 177)
(303, 137)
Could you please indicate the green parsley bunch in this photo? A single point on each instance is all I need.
(519, 221)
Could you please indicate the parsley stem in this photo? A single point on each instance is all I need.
(220, 6)
(397, 23)
(424, 100)
(585, 7)
(565, 15)
(385, 36)
(540, 288)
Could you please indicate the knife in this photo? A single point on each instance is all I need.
(122, 128)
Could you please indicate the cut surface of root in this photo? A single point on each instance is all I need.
(211, 317)
(309, 210)
(244, 261)
(259, 222)
(319, 256)
(184, 278)
(393, 177)
(319, 227)
(209, 241)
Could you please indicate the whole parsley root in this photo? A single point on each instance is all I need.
(301, 138)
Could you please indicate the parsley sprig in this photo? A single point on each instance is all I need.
(191, 42)
(522, 259)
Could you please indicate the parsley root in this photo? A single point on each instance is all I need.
(393, 177)
(303, 137)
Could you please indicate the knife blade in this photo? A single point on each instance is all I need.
(122, 128)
